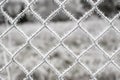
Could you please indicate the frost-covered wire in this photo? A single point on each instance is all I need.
(61, 6)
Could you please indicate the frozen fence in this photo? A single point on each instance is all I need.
(27, 73)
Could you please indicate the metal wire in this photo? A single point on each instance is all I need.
(44, 22)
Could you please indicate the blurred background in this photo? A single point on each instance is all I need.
(61, 23)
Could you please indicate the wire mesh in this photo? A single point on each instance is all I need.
(61, 43)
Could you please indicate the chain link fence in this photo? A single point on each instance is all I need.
(69, 63)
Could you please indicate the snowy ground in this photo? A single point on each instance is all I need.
(78, 41)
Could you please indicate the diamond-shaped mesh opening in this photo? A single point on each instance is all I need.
(78, 41)
(63, 57)
(110, 72)
(13, 40)
(77, 72)
(61, 16)
(110, 41)
(77, 7)
(95, 24)
(109, 8)
(44, 7)
(28, 57)
(93, 59)
(13, 72)
(29, 23)
(13, 8)
(44, 72)
(61, 23)
(45, 41)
